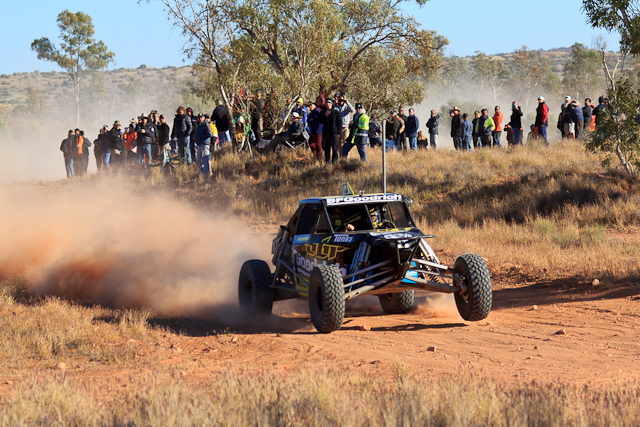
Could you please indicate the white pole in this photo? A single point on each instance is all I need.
(384, 157)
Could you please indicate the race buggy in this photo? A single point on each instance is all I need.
(337, 248)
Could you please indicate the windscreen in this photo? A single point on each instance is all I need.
(367, 217)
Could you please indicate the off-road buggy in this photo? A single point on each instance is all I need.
(337, 248)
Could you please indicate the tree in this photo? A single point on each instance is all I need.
(618, 133)
(530, 71)
(78, 52)
(622, 16)
(299, 48)
(489, 71)
(582, 72)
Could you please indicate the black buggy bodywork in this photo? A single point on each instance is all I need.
(338, 248)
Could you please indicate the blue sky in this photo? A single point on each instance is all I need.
(141, 34)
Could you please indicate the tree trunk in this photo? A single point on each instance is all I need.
(76, 92)
(627, 167)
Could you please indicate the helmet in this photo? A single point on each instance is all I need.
(240, 119)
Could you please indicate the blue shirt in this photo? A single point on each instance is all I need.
(467, 130)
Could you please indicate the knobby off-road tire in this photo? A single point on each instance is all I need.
(254, 292)
(397, 302)
(476, 304)
(326, 298)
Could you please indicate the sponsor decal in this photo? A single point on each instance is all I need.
(328, 252)
(301, 239)
(342, 238)
(395, 236)
(365, 199)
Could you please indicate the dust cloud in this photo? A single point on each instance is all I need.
(98, 242)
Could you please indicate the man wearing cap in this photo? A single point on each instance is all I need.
(516, 122)
(295, 130)
(456, 127)
(600, 110)
(568, 124)
(484, 126)
(542, 119)
(344, 111)
(361, 129)
(116, 144)
(331, 127)
(577, 118)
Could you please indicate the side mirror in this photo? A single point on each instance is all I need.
(408, 201)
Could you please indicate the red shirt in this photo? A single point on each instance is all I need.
(497, 119)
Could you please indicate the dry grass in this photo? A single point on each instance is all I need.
(41, 333)
(322, 397)
(534, 206)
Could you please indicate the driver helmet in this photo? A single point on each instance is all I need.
(337, 219)
(375, 217)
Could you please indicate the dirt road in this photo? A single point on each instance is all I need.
(521, 339)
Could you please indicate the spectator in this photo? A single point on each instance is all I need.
(401, 143)
(182, 131)
(568, 121)
(361, 133)
(302, 111)
(116, 145)
(77, 145)
(100, 144)
(578, 118)
(466, 132)
(65, 147)
(220, 116)
(456, 124)
(256, 107)
(375, 131)
(485, 128)
(85, 151)
(344, 112)
(294, 131)
(475, 134)
(146, 136)
(192, 136)
(411, 129)
(331, 131)
(542, 119)
(164, 139)
(203, 142)
(516, 123)
(315, 130)
(600, 110)
(432, 125)
(392, 127)
(129, 137)
(587, 113)
(497, 121)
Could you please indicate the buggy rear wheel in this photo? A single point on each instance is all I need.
(475, 303)
(397, 302)
(326, 298)
(254, 287)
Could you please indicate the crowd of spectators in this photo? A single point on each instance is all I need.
(329, 127)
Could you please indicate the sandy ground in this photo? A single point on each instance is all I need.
(558, 330)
